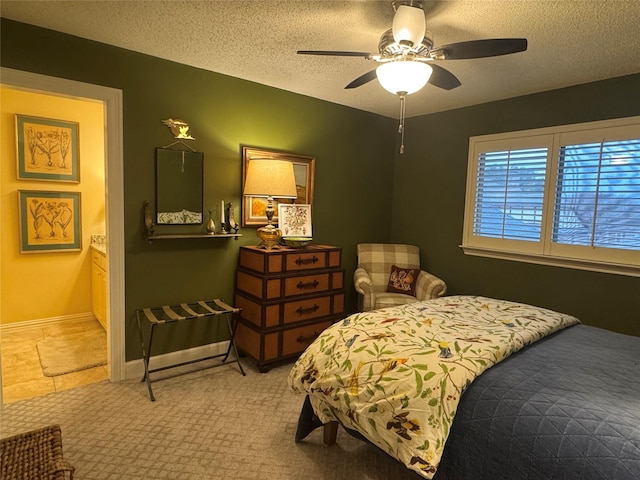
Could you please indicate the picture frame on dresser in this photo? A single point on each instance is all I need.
(254, 208)
(47, 149)
(49, 221)
(294, 220)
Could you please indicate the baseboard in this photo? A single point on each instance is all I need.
(43, 322)
(135, 368)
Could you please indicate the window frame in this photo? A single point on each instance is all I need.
(546, 252)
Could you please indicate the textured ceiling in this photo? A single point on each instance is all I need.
(570, 42)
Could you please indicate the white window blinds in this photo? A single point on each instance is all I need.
(567, 195)
(598, 195)
(510, 194)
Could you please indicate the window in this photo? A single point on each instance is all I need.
(598, 195)
(566, 195)
(510, 194)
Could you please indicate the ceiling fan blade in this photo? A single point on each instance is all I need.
(479, 48)
(362, 79)
(443, 78)
(334, 53)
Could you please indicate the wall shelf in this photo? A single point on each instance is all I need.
(151, 238)
(150, 227)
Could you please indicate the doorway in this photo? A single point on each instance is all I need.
(114, 198)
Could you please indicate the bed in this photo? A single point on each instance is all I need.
(535, 394)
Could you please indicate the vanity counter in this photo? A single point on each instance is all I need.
(99, 248)
(99, 280)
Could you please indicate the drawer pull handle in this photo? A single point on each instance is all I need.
(306, 261)
(303, 286)
(306, 311)
(308, 338)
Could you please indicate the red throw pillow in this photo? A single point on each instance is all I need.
(403, 280)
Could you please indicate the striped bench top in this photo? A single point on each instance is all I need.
(187, 311)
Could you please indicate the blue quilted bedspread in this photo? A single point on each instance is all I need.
(565, 408)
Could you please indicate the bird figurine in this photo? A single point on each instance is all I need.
(179, 128)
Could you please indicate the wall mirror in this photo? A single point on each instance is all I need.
(179, 186)
(254, 208)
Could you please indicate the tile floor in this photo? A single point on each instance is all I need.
(22, 375)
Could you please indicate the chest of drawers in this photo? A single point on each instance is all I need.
(288, 297)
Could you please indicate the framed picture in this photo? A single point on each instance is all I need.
(294, 220)
(254, 208)
(47, 149)
(49, 221)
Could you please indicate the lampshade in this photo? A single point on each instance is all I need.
(270, 178)
(403, 77)
(409, 25)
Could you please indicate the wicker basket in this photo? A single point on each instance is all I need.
(36, 455)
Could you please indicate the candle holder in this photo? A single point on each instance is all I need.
(231, 220)
(223, 223)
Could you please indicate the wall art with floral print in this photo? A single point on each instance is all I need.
(47, 149)
(49, 221)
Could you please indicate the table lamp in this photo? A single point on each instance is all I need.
(270, 178)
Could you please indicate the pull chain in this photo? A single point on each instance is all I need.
(402, 115)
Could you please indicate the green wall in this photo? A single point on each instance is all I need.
(429, 193)
(364, 190)
(354, 153)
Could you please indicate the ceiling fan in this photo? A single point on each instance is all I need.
(407, 56)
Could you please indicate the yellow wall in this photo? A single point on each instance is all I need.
(46, 285)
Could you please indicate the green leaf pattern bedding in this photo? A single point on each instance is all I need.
(396, 375)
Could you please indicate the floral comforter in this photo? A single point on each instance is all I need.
(396, 375)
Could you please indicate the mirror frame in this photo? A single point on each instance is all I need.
(304, 168)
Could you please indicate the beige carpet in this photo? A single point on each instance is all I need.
(70, 353)
(213, 424)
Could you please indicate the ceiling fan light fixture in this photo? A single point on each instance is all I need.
(409, 25)
(403, 77)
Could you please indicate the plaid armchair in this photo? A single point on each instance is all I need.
(371, 277)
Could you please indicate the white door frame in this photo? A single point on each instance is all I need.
(114, 189)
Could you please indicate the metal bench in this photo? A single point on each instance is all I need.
(167, 314)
